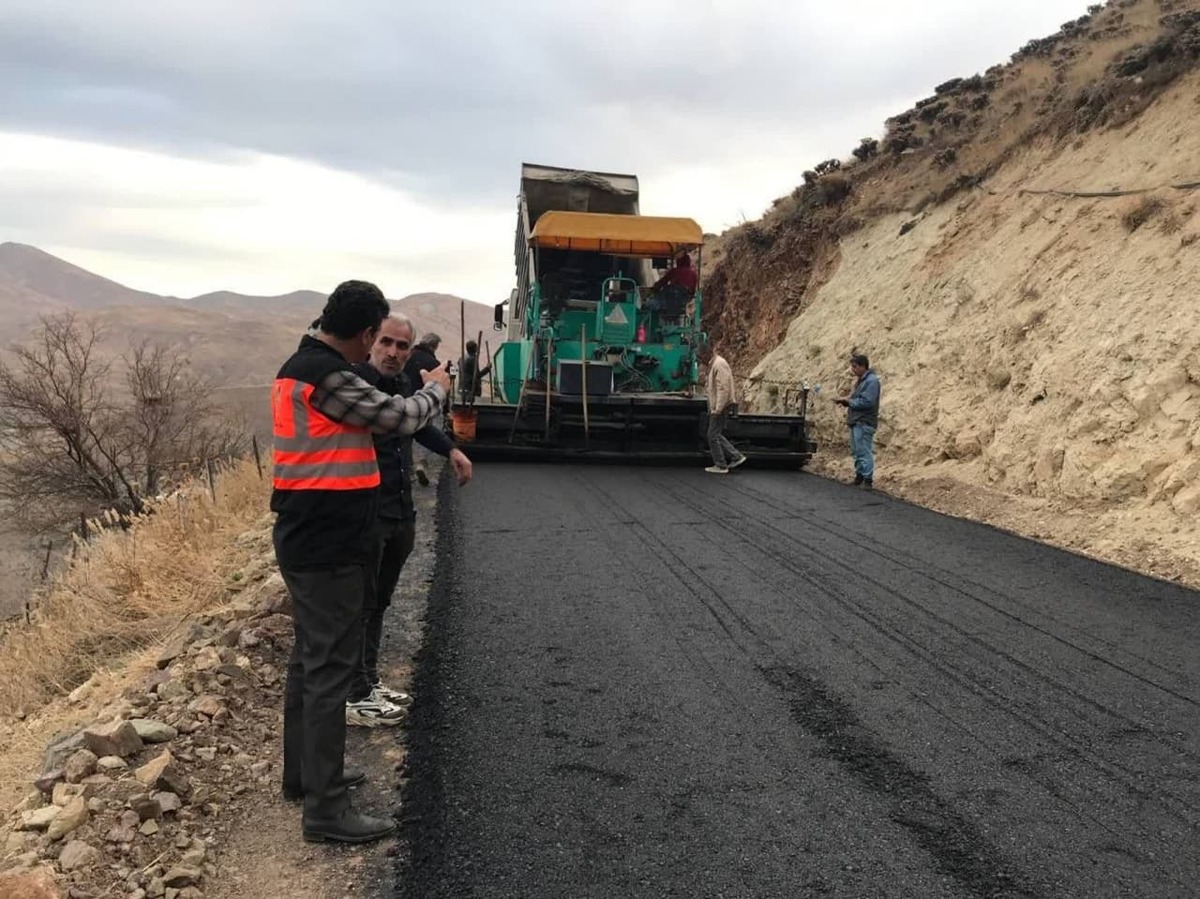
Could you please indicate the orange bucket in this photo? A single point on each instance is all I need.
(462, 423)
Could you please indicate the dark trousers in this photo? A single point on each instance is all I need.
(327, 614)
(723, 452)
(395, 543)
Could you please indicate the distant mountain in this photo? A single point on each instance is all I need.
(237, 340)
(29, 273)
(288, 302)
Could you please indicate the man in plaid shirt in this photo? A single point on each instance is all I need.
(326, 498)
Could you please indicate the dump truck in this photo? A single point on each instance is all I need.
(599, 358)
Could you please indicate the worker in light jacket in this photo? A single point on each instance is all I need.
(722, 400)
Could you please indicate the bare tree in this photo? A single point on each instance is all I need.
(76, 436)
(172, 417)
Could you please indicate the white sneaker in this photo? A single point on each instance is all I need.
(717, 469)
(374, 711)
(395, 697)
(736, 462)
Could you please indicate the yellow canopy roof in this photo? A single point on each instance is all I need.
(620, 235)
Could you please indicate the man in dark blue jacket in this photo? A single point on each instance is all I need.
(862, 415)
(372, 703)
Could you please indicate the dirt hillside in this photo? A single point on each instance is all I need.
(1038, 344)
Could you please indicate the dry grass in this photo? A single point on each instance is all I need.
(104, 618)
(126, 590)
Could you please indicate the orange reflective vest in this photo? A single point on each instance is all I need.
(314, 452)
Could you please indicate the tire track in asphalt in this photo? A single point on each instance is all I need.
(958, 847)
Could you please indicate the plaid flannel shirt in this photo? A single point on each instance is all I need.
(344, 396)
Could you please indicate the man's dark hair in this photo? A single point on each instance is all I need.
(861, 359)
(472, 348)
(354, 307)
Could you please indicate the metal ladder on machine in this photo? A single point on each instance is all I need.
(525, 386)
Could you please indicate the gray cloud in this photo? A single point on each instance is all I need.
(447, 105)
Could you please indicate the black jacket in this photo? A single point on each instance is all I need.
(420, 359)
(467, 378)
(394, 453)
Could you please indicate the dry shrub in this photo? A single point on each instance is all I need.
(128, 589)
(1141, 211)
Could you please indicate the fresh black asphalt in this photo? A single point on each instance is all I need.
(645, 682)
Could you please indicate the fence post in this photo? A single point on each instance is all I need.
(257, 457)
(83, 526)
(212, 484)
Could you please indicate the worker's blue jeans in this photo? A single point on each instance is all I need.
(862, 440)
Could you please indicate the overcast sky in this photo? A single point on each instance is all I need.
(270, 145)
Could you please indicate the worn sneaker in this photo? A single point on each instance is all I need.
(740, 460)
(374, 711)
(395, 697)
(717, 469)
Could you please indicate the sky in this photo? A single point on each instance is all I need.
(182, 147)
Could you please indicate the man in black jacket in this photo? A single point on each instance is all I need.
(423, 357)
(372, 703)
(326, 493)
(470, 375)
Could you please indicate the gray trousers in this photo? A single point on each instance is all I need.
(723, 452)
(327, 616)
(396, 539)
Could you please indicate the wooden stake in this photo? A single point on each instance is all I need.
(521, 396)
(462, 339)
(475, 374)
(257, 457)
(212, 484)
(549, 372)
(583, 359)
(492, 377)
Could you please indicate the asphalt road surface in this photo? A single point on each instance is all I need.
(657, 682)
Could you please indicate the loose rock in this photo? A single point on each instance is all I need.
(74, 814)
(118, 738)
(162, 774)
(81, 764)
(152, 731)
(78, 854)
(38, 819)
(181, 876)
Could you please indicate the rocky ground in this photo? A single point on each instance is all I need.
(174, 791)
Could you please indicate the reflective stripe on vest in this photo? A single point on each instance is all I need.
(313, 452)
